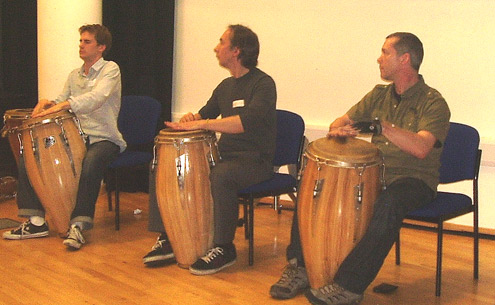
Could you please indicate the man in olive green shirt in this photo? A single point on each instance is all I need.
(410, 122)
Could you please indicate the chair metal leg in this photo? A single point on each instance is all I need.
(439, 259)
(109, 174)
(397, 249)
(117, 201)
(251, 230)
(109, 196)
(246, 221)
(476, 246)
(276, 203)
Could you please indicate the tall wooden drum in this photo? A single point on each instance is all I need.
(53, 149)
(12, 119)
(182, 164)
(339, 186)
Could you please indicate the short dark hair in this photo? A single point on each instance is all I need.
(247, 41)
(102, 35)
(409, 43)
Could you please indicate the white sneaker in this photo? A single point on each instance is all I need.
(74, 239)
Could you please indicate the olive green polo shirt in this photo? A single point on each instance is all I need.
(419, 108)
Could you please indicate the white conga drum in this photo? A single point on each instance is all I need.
(53, 148)
(339, 185)
(182, 164)
(12, 119)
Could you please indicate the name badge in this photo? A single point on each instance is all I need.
(238, 103)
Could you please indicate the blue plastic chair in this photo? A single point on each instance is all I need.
(460, 161)
(289, 146)
(137, 121)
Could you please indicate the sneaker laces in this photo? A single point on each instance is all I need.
(22, 227)
(159, 244)
(331, 289)
(212, 253)
(289, 273)
(75, 233)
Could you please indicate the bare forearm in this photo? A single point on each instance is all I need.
(41, 111)
(189, 121)
(417, 144)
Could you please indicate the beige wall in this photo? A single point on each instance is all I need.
(322, 55)
(58, 40)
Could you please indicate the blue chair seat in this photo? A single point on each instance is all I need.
(281, 183)
(131, 158)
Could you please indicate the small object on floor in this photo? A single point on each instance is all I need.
(385, 288)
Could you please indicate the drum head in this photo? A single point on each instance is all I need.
(18, 113)
(172, 135)
(13, 118)
(50, 118)
(348, 152)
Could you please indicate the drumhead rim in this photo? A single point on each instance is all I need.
(29, 125)
(344, 164)
(185, 137)
(198, 138)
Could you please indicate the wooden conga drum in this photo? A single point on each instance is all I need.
(182, 164)
(12, 119)
(53, 149)
(339, 185)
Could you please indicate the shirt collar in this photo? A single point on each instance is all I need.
(95, 67)
(417, 87)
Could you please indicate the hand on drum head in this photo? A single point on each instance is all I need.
(41, 106)
(343, 131)
(56, 108)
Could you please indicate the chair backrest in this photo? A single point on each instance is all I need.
(290, 134)
(138, 119)
(459, 160)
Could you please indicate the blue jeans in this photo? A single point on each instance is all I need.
(362, 264)
(98, 156)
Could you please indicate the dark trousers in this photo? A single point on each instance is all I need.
(98, 156)
(234, 172)
(362, 264)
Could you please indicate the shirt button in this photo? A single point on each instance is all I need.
(386, 143)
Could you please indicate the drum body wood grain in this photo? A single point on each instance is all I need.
(339, 186)
(12, 119)
(53, 149)
(182, 164)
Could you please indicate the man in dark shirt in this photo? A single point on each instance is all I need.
(246, 104)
